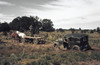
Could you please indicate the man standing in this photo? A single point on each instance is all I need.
(31, 30)
(65, 44)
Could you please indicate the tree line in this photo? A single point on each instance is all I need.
(23, 23)
(73, 30)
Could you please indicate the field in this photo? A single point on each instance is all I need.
(14, 53)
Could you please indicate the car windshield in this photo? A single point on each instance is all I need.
(73, 40)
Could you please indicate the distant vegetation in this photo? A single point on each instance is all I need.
(46, 54)
(4, 26)
(23, 23)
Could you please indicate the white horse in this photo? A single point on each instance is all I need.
(22, 35)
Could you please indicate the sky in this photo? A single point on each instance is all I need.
(65, 14)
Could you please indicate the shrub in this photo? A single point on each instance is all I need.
(43, 62)
(95, 56)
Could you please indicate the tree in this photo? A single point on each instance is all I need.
(15, 24)
(47, 25)
(4, 26)
(60, 29)
(80, 29)
(72, 30)
(98, 29)
(91, 31)
(23, 23)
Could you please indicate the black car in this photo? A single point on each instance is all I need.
(77, 41)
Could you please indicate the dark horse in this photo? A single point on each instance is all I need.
(15, 37)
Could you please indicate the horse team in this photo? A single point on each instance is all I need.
(17, 36)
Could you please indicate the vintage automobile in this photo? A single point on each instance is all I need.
(77, 41)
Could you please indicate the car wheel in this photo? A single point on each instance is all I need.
(76, 47)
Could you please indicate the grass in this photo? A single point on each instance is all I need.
(46, 54)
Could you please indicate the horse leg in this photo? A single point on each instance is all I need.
(12, 40)
(22, 40)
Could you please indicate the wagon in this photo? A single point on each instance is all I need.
(77, 41)
(35, 40)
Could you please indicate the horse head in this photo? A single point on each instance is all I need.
(17, 32)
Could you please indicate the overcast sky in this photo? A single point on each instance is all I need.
(64, 13)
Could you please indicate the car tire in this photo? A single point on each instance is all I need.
(76, 47)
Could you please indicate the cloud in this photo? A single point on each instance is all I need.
(68, 8)
(6, 18)
(6, 3)
(68, 12)
(89, 25)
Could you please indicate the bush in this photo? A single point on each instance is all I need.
(95, 56)
(43, 62)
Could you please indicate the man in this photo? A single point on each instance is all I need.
(31, 30)
(65, 44)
